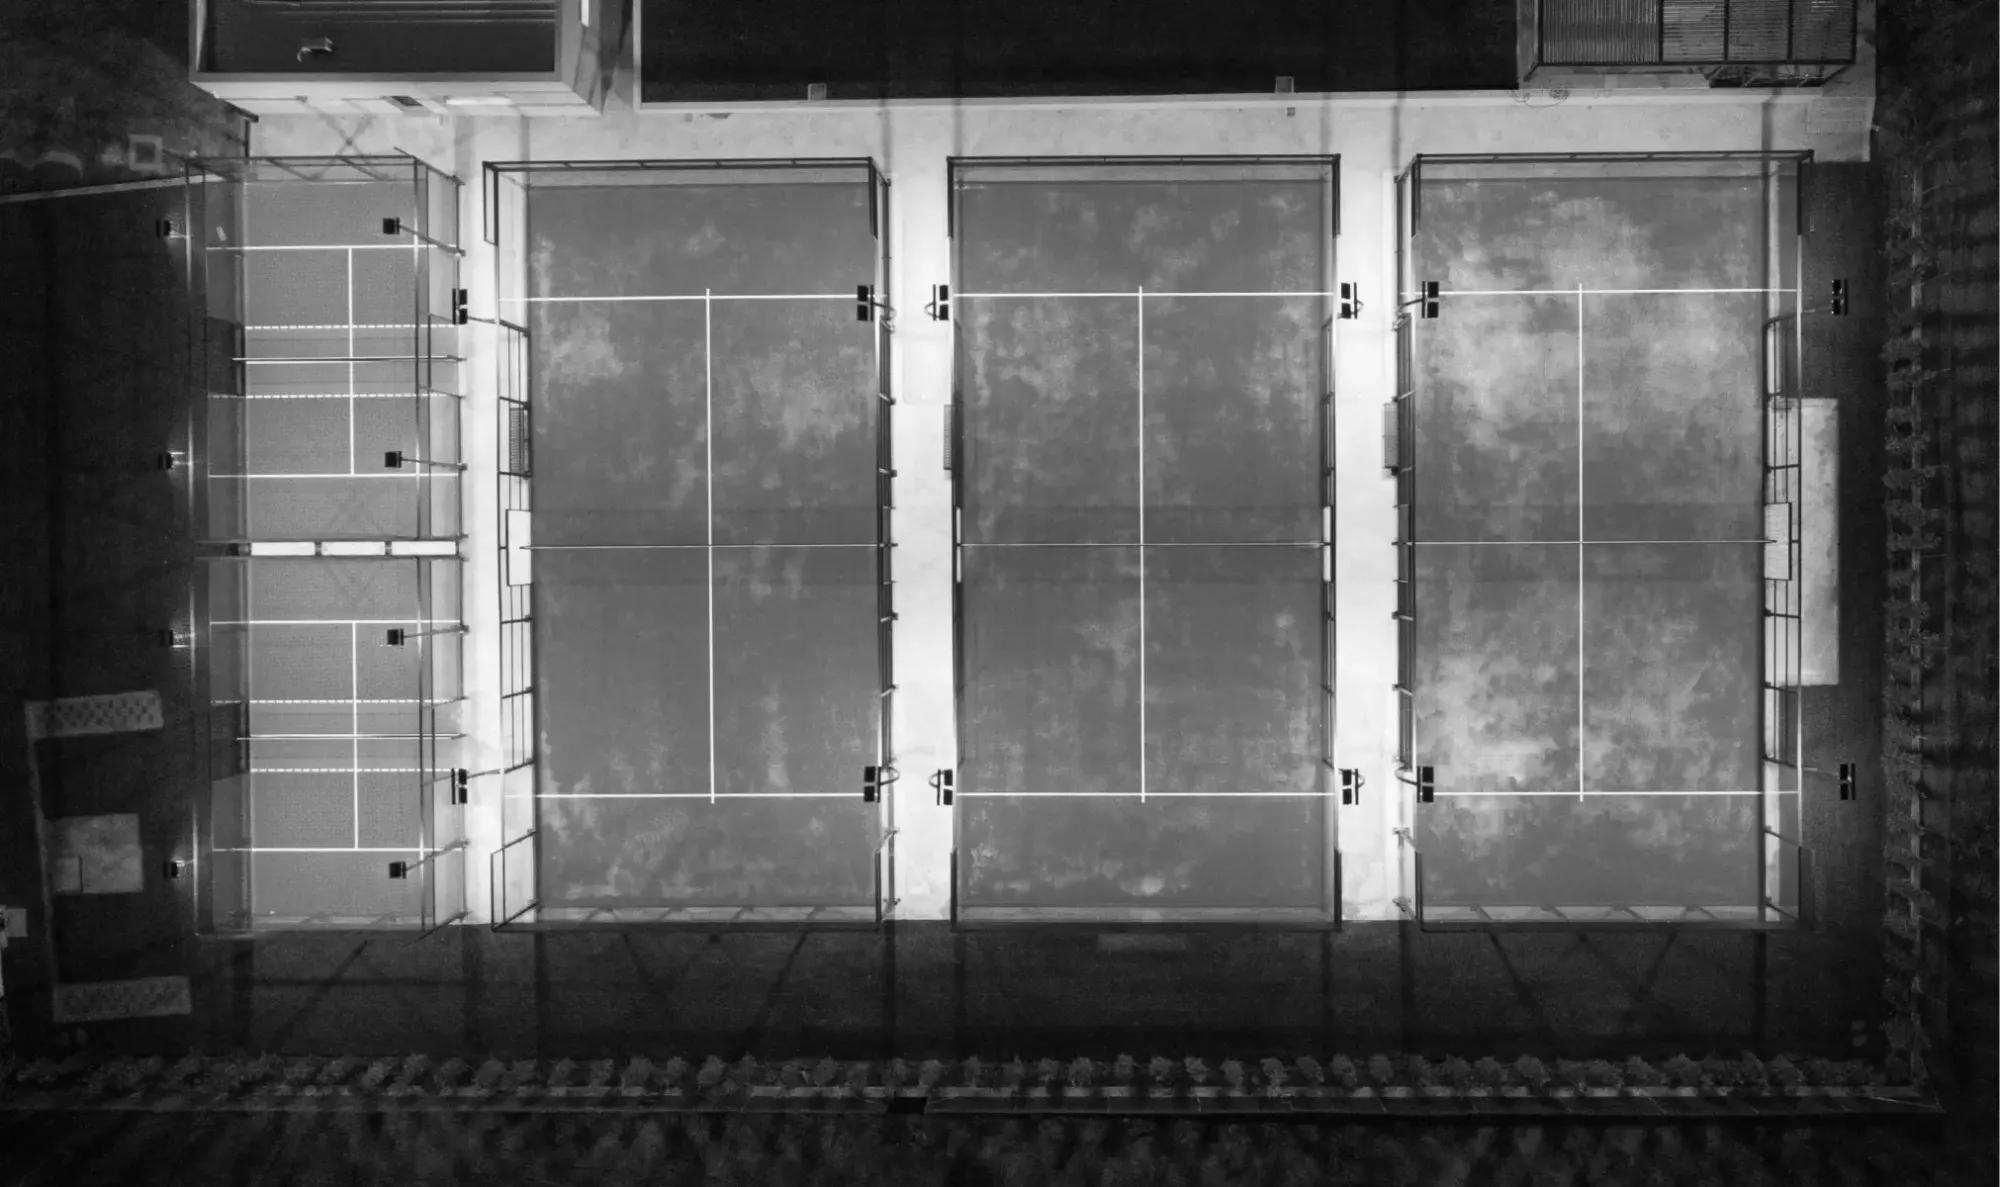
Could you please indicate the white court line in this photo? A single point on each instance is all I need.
(1308, 293)
(305, 360)
(337, 326)
(1302, 795)
(1126, 293)
(1563, 543)
(1128, 795)
(313, 396)
(1580, 793)
(700, 795)
(249, 247)
(386, 474)
(708, 518)
(672, 547)
(354, 653)
(350, 366)
(1579, 289)
(334, 771)
(335, 700)
(1142, 544)
(334, 621)
(339, 849)
(1148, 544)
(706, 298)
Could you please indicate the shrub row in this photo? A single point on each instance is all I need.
(240, 1075)
(1913, 644)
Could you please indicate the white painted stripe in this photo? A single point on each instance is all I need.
(334, 770)
(1127, 293)
(350, 367)
(1579, 289)
(333, 622)
(1584, 792)
(1142, 543)
(707, 298)
(320, 396)
(1130, 795)
(703, 795)
(259, 247)
(354, 653)
(1228, 795)
(116, 187)
(708, 517)
(674, 547)
(331, 701)
(1566, 543)
(1148, 544)
(343, 849)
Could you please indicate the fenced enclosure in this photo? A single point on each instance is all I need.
(1799, 33)
(605, 561)
(1141, 459)
(327, 467)
(334, 415)
(341, 810)
(1669, 574)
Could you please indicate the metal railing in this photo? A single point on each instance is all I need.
(514, 499)
(1815, 33)
(1783, 897)
(1399, 457)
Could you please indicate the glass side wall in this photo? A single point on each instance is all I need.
(328, 462)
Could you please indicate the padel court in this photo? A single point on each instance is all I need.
(1594, 445)
(695, 500)
(1596, 449)
(1143, 539)
(325, 470)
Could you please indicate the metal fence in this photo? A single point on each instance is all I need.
(1785, 869)
(1399, 458)
(1695, 32)
(514, 867)
(327, 458)
(1786, 865)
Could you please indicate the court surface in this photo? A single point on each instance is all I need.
(1143, 353)
(327, 352)
(1588, 528)
(706, 417)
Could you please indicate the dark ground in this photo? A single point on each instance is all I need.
(97, 555)
(978, 49)
(1938, 134)
(83, 80)
(539, 1150)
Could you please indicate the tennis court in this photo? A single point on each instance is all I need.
(703, 550)
(1141, 454)
(326, 457)
(1597, 462)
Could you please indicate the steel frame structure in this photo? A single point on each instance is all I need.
(513, 867)
(420, 217)
(1326, 917)
(1681, 33)
(1785, 865)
